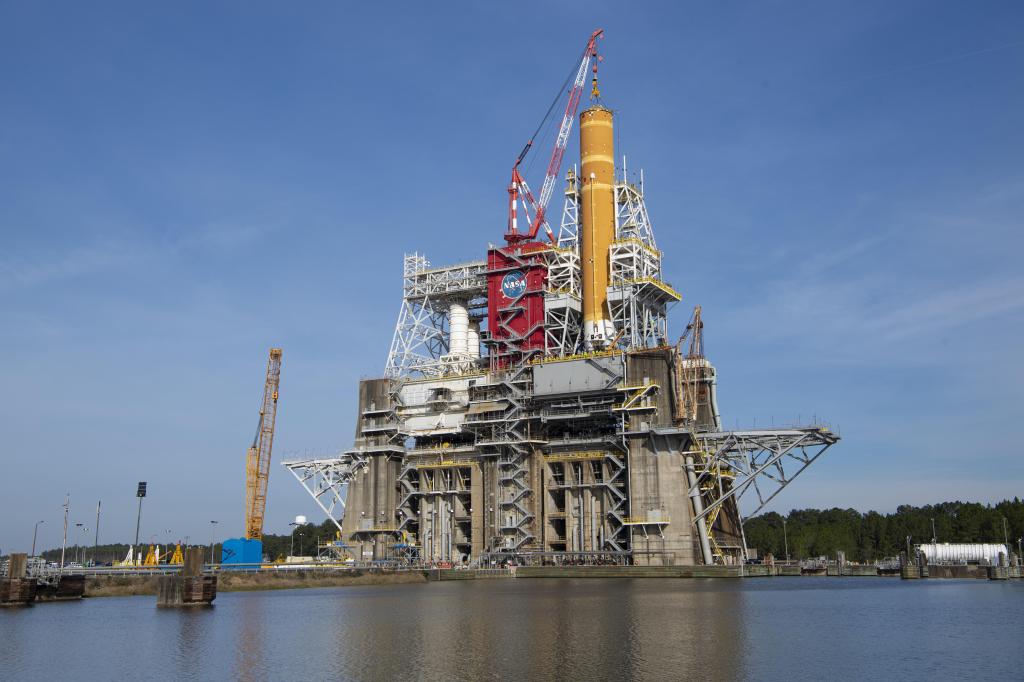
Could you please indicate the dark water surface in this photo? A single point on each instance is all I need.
(534, 629)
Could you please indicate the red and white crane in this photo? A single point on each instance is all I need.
(518, 190)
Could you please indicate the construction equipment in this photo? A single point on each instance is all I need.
(249, 549)
(518, 190)
(257, 468)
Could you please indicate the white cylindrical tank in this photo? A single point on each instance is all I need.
(963, 553)
(458, 325)
(473, 339)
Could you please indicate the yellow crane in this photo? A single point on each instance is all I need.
(257, 466)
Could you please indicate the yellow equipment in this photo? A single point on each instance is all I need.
(151, 557)
(257, 469)
(177, 557)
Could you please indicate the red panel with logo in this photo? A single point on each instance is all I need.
(516, 278)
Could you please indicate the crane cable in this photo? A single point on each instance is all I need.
(558, 97)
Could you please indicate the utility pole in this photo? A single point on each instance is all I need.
(291, 550)
(34, 532)
(140, 493)
(213, 526)
(78, 548)
(785, 538)
(64, 546)
(96, 539)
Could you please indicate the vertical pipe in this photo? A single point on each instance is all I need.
(473, 339)
(698, 508)
(582, 523)
(458, 329)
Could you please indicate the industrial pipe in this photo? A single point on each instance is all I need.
(698, 509)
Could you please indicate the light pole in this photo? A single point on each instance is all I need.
(96, 538)
(1005, 541)
(78, 547)
(934, 535)
(213, 526)
(300, 544)
(139, 493)
(34, 532)
(785, 538)
(85, 549)
(291, 548)
(64, 545)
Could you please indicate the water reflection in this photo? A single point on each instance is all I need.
(537, 630)
(250, 642)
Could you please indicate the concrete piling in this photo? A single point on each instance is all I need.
(16, 589)
(190, 587)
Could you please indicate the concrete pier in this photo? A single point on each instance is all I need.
(61, 588)
(190, 587)
(16, 589)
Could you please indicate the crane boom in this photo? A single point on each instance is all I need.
(518, 189)
(257, 469)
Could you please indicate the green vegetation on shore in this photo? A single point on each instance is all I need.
(871, 536)
(811, 532)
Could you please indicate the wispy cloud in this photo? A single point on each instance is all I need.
(22, 271)
(950, 308)
(870, 315)
(18, 273)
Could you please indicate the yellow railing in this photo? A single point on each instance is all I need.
(444, 463)
(637, 242)
(576, 356)
(643, 520)
(574, 456)
(664, 286)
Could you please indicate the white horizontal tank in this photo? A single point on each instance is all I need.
(963, 553)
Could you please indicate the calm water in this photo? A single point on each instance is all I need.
(758, 629)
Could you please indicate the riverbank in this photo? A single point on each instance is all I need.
(244, 581)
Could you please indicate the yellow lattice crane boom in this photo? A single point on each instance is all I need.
(257, 467)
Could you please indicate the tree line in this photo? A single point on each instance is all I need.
(871, 536)
(809, 532)
(275, 547)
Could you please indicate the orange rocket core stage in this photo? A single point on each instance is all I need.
(597, 204)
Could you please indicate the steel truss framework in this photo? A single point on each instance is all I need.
(326, 481)
(637, 295)
(563, 310)
(731, 463)
(420, 341)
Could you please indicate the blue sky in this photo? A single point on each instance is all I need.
(839, 185)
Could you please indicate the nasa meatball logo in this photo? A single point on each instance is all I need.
(513, 285)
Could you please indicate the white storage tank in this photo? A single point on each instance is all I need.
(964, 553)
